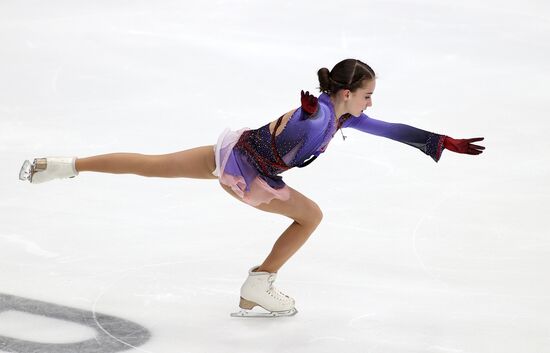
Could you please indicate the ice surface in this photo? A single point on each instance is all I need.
(29, 327)
(411, 256)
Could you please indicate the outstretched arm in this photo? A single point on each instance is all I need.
(430, 143)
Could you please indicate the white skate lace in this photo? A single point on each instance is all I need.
(274, 292)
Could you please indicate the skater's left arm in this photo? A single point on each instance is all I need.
(432, 144)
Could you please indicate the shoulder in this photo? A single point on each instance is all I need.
(356, 121)
(324, 99)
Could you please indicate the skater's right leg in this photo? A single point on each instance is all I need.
(258, 288)
(306, 216)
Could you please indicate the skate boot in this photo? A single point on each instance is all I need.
(46, 169)
(258, 290)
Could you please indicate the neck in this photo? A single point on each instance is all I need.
(339, 107)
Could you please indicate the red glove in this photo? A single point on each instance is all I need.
(309, 103)
(463, 146)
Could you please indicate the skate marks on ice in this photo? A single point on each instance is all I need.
(112, 334)
(427, 215)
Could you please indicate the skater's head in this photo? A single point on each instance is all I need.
(350, 82)
(349, 74)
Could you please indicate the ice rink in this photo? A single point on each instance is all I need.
(412, 256)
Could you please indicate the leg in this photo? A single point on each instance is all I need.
(192, 163)
(306, 215)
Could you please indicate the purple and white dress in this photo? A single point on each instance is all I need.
(250, 161)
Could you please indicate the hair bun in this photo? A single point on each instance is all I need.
(324, 80)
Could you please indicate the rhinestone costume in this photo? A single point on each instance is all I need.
(260, 153)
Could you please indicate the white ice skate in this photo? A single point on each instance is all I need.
(46, 169)
(258, 290)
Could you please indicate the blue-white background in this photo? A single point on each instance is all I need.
(411, 256)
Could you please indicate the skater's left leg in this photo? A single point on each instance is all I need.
(196, 163)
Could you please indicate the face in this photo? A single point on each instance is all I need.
(360, 100)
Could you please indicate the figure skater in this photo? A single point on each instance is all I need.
(247, 164)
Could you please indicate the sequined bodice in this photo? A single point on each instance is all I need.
(305, 137)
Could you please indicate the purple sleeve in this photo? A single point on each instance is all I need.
(428, 142)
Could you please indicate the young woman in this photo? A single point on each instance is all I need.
(248, 162)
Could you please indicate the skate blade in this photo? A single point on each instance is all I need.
(25, 173)
(250, 313)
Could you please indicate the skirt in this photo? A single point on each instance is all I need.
(234, 170)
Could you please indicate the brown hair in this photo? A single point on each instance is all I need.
(347, 74)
